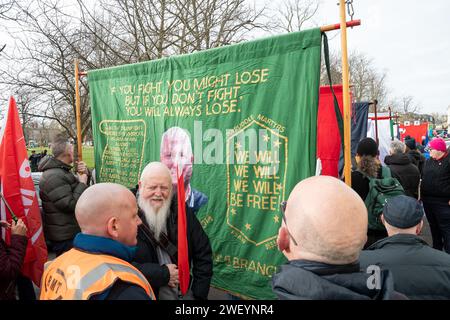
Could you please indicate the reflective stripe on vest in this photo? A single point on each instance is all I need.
(80, 275)
(98, 273)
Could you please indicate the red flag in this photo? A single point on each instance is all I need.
(18, 189)
(418, 132)
(328, 136)
(183, 260)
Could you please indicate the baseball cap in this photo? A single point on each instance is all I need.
(403, 212)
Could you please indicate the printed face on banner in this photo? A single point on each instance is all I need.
(176, 150)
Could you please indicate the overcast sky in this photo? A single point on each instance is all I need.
(409, 39)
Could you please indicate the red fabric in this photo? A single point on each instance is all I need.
(18, 189)
(183, 260)
(417, 132)
(328, 136)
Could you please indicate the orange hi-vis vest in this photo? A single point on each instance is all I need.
(78, 275)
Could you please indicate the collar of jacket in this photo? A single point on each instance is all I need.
(401, 238)
(52, 162)
(102, 245)
(322, 269)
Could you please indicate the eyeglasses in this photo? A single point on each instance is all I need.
(283, 210)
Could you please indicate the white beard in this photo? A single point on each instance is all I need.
(156, 219)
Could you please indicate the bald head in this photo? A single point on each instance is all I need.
(327, 219)
(103, 206)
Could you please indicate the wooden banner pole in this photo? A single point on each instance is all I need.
(78, 111)
(346, 97)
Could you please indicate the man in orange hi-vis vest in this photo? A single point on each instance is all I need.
(98, 267)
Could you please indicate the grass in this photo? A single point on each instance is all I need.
(88, 154)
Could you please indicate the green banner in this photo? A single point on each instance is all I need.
(250, 110)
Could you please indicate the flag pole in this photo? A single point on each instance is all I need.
(346, 97)
(78, 111)
(14, 217)
(375, 106)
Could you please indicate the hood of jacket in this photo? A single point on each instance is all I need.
(398, 159)
(306, 280)
(50, 162)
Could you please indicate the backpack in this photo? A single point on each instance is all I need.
(380, 190)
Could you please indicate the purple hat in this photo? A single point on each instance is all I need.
(438, 144)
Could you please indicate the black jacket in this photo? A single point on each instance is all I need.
(436, 179)
(405, 172)
(417, 159)
(59, 190)
(307, 280)
(121, 290)
(199, 250)
(420, 272)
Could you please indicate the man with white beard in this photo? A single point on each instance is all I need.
(158, 237)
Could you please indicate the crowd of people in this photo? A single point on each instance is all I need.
(361, 242)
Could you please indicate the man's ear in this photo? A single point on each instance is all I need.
(140, 184)
(419, 228)
(283, 240)
(112, 228)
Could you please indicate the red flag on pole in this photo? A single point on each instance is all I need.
(183, 260)
(18, 190)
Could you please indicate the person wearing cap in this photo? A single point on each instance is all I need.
(435, 189)
(367, 164)
(416, 157)
(420, 272)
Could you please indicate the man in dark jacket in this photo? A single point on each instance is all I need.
(322, 249)
(59, 190)
(416, 157)
(98, 267)
(420, 272)
(11, 258)
(402, 169)
(157, 238)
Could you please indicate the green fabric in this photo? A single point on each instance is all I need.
(391, 123)
(272, 92)
(380, 190)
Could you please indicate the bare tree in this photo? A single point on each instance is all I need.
(407, 105)
(114, 32)
(367, 82)
(292, 14)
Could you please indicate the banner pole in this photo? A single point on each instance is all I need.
(391, 124)
(13, 216)
(375, 106)
(78, 111)
(337, 26)
(346, 97)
